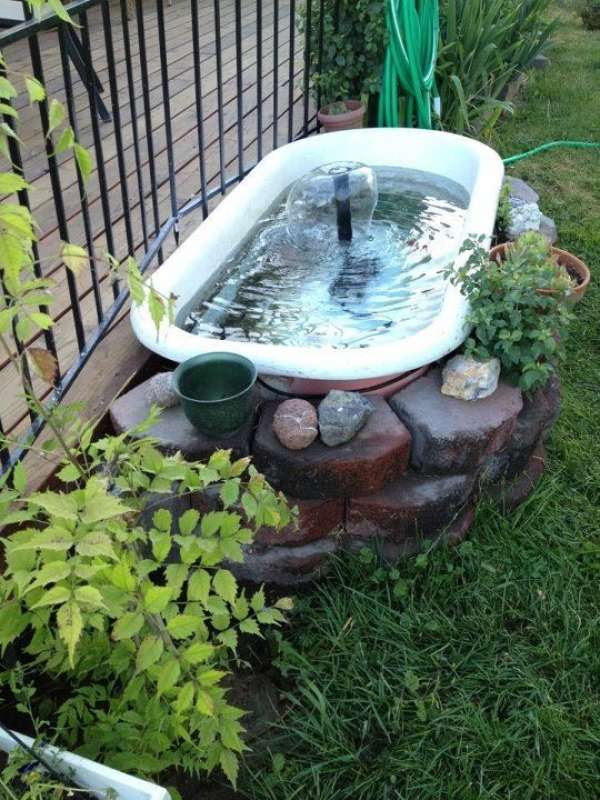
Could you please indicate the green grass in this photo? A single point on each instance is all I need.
(475, 672)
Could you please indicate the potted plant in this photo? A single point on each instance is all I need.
(518, 310)
(535, 252)
(341, 115)
(346, 52)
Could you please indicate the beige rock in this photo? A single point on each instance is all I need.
(295, 424)
(160, 390)
(468, 379)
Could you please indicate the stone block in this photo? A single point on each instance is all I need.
(173, 431)
(451, 435)
(378, 454)
(284, 566)
(411, 508)
(392, 551)
(511, 493)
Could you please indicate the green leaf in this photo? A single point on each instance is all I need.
(230, 492)
(56, 504)
(161, 544)
(185, 698)
(84, 161)
(74, 257)
(230, 765)
(96, 543)
(150, 651)
(90, 596)
(204, 703)
(183, 626)
(285, 603)
(258, 600)
(249, 505)
(128, 626)
(100, 505)
(53, 572)
(250, 626)
(156, 307)
(10, 182)
(68, 473)
(157, 598)
(188, 521)
(198, 652)
(225, 585)
(7, 90)
(56, 112)
(411, 681)
(162, 519)
(59, 10)
(66, 140)
(19, 477)
(168, 676)
(199, 586)
(70, 626)
(53, 538)
(54, 596)
(229, 638)
(35, 90)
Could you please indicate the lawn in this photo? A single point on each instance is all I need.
(474, 672)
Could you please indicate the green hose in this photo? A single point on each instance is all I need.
(548, 146)
(409, 64)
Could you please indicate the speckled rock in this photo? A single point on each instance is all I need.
(342, 415)
(295, 424)
(378, 454)
(160, 390)
(469, 379)
(520, 190)
(455, 436)
(523, 217)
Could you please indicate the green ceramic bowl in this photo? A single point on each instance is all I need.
(216, 391)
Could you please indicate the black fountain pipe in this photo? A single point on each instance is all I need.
(341, 189)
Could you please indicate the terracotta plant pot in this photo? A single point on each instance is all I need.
(573, 266)
(346, 121)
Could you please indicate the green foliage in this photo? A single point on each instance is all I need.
(503, 213)
(590, 14)
(512, 319)
(20, 779)
(354, 43)
(134, 606)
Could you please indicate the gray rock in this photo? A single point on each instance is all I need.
(540, 61)
(520, 190)
(160, 390)
(469, 379)
(548, 228)
(342, 415)
(523, 217)
(295, 424)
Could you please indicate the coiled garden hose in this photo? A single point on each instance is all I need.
(548, 146)
(410, 59)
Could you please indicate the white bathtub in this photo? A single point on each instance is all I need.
(475, 167)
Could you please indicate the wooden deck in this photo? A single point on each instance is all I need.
(107, 230)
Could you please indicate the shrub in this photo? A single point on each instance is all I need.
(590, 15)
(512, 320)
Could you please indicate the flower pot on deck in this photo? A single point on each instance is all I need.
(347, 120)
(575, 268)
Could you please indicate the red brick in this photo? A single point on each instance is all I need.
(378, 454)
(316, 520)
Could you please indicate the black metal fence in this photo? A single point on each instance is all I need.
(176, 101)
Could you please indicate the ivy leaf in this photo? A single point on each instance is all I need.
(35, 90)
(150, 651)
(74, 257)
(128, 626)
(168, 676)
(43, 363)
(70, 626)
(54, 596)
(225, 585)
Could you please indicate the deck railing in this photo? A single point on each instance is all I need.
(176, 102)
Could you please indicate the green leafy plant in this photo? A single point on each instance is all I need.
(354, 40)
(590, 14)
(503, 213)
(518, 308)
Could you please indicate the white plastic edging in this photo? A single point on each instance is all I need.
(89, 775)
